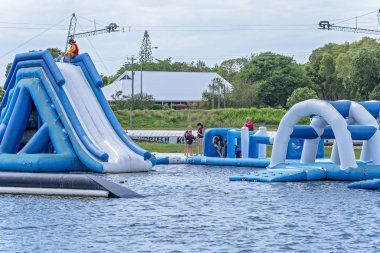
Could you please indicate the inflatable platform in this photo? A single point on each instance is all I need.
(54, 117)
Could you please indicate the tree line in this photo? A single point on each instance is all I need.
(333, 71)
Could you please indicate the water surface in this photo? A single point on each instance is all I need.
(196, 209)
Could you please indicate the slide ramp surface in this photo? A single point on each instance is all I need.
(75, 130)
(96, 125)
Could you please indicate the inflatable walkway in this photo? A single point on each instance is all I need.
(54, 117)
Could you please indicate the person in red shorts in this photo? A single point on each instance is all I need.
(72, 52)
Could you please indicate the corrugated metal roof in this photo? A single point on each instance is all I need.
(164, 86)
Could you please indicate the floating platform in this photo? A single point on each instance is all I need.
(170, 158)
(373, 184)
(283, 175)
(62, 184)
(291, 172)
(240, 162)
(216, 161)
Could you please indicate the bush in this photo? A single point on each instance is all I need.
(180, 119)
(301, 94)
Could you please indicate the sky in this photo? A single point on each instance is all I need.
(207, 30)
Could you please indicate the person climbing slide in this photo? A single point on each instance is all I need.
(72, 52)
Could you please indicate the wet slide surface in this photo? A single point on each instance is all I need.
(96, 125)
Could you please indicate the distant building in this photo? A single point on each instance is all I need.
(172, 88)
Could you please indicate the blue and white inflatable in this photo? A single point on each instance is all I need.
(342, 121)
(73, 129)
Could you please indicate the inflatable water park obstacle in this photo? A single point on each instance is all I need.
(54, 118)
(341, 121)
(298, 150)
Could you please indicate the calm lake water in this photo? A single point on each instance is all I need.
(196, 209)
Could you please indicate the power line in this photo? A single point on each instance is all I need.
(356, 17)
(32, 38)
(96, 52)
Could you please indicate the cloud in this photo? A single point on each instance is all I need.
(161, 16)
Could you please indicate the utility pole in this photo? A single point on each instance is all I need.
(132, 59)
(141, 83)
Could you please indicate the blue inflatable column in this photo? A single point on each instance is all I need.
(231, 136)
(17, 123)
(39, 142)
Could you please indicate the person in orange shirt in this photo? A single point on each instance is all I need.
(72, 52)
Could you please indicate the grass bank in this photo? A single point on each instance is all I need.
(162, 147)
(179, 148)
(180, 119)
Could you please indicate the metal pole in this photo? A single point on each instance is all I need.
(132, 93)
(356, 23)
(141, 91)
(71, 32)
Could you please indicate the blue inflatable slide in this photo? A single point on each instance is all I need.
(54, 117)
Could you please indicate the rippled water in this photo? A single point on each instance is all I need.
(196, 209)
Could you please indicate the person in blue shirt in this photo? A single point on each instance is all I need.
(218, 144)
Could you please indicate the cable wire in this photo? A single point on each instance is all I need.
(29, 40)
(96, 52)
(345, 20)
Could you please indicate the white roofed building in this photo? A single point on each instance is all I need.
(166, 87)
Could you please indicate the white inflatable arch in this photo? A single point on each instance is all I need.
(357, 115)
(328, 115)
(371, 148)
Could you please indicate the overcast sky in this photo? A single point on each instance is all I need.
(185, 30)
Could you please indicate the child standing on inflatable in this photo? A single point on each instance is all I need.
(200, 135)
(249, 124)
(72, 52)
(189, 138)
(218, 145)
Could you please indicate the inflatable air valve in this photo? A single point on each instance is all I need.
(244, 142)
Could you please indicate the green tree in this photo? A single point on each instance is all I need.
(229, 68)
(217, 90)
(146, 101)
(105, 79)
(55, 52)
(245, 95)
(122, 102)
(301, 94)
(8, 68)
(2, 93)
(365, 73)
(345, 71)
(375, 93)
(330, 87)
(146, 49)
(276, 76)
